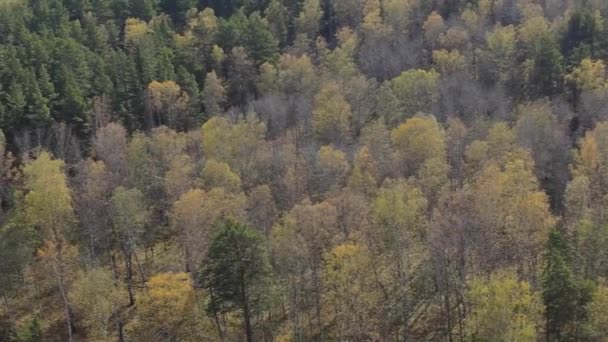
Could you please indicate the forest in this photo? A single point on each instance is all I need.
(303, 170)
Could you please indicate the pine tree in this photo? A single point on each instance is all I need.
(564, 295)
(237, 273)
(545, 69)
(259, 40)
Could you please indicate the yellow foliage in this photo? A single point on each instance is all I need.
(163, 91)
(417, 140)
(399, 211)
(588, 76)
(503, 309)
(218, 175)
(352, 299)
(340, 62)
(308, 21)
(214, 94)
(48, 204)
(241, 145)
(397, 13)
(416, 90)
(471, 19)
(333, 164)
(268, 80)
(598, 313)
(166, 307)
(499, 147)
(218, 55)
(167, 99)
(433, 26)
(332, 114)
(194, 216)
(296, 74)
(501, 41)
(433, 177)
(532, 30)
(97, 299)
(455, 38)
(372, 16)
(364, 177)
(513, 212)
(592, 157)
(135, 29)
(205, 21)
(180, 176)
(448, 61)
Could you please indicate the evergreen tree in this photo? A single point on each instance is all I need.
(545, 69)
(278, 17)
(143, 9)
(73, 106)
(237, 272)
(565, 296)
(259, 40)
(177, 9)
(582, 36)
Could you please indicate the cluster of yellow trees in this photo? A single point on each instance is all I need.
(423, 231)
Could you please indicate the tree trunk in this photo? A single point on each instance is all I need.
(247, 317)
(59, 268)
(129, 269)
(216, 317)
(121, 332)
(8, 309)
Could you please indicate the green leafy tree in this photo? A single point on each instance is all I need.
(177, 9)
(416, 91)
(544, 70)
(259, 41)
(144, 9)
(278, 17)
(565, 296)
(237, 273)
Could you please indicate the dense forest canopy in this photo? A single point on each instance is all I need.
(303, 170)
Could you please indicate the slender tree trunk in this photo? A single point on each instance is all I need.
(295, 312)
(64, 294)
(187, 257)
(401, 279)
(317, 285)
(68, 314)
(9, 310)
(92, 249)
(216, 317)
(141, 269)
(247, 317)
(59, 268)
(448, 310)
(129, 269)
(121, 332)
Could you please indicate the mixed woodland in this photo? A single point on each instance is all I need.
(303, 170)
